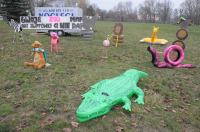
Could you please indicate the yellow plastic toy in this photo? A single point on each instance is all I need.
(154, 39)
(40, 57)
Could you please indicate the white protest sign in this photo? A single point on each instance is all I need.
(58, 11)
(51, 22)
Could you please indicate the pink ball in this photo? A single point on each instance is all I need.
(106, 43)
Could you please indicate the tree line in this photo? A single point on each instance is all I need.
(154, 11)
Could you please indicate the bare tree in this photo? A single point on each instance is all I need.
(143, 13)
(134, 15)
(164, 11)
(176, 15)
(95, 6)
(124, 11)
(84, 5)
(154, 11)
(191, 9)
(90, 11)
(42, 3)
(102, 14)
(147, 10)
(128, 7)
(120, 11)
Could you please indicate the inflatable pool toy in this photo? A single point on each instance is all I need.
(169, 60)
(154, 39)
(174, 54)
(110, 92)
(40, 57)
(106, 44)
(55, 42)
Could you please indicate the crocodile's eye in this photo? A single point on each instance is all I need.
(104, 93)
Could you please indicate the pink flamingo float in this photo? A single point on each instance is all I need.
(55, 42)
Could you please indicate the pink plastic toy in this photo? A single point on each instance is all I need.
(55, 42)
(106, 44)
(168, 61)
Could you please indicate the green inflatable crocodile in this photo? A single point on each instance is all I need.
(110, 92)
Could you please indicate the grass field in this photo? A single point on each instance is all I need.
(46, 100)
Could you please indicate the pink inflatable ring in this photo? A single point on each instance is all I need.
(169, 50)
(168, 62)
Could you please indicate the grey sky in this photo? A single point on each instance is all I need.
(109, 4)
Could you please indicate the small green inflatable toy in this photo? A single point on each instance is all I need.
(110, 92)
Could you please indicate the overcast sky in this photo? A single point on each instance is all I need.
(109, 4)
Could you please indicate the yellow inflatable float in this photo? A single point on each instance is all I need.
(154, 39)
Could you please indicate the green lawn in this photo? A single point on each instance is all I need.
(46, 100)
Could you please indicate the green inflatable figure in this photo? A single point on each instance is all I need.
(110, 92)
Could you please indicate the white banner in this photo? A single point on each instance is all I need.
(58, 11)
(51, 22)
